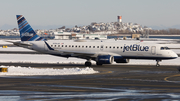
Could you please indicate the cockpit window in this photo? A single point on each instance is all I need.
(164, 48)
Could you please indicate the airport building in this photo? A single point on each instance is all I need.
(72, 35)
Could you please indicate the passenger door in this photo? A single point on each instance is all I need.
(153, 50)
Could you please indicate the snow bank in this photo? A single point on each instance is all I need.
(171, 62)
(4, 41)
(36, 58)
(16, 49)
(28, 71)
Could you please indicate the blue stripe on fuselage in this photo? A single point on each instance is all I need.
(48, 46)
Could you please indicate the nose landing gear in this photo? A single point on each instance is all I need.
(157, 63)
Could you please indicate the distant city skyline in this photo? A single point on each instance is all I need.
(51, 14)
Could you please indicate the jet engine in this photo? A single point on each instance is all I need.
(104, 59)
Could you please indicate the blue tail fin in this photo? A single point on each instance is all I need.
(26, 31)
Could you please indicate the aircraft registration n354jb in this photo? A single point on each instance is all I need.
(101, 51)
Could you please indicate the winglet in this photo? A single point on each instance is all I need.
(26, 31)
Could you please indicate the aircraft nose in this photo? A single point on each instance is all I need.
(174, 55)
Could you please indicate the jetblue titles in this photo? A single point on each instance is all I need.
(135, 47)
(27, 34)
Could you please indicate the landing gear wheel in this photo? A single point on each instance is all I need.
(88, 64)
(157, 63)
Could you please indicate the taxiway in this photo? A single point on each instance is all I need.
(114, 82)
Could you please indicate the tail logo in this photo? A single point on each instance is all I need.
(27, 34)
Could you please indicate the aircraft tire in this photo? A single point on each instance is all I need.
(88, 63)
(157, 65)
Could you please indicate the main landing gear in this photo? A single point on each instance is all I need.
(88, 63)
(157, 63)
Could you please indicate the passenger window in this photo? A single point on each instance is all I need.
(114, 47)
(93, 46)
(86, 46)
(69, 45)
(97, 46)
(62, 46)
(106, 46)
(110, 47)
(89, 46)
(58, 45)
(72, 45)
(51, 45)
(79, 46)
(66, 46)
(117, 47)
(76, 45)
(82, 46)
(162, 48)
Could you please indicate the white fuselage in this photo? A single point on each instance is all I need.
(92, 49)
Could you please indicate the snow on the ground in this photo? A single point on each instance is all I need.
(28, 71)
(35, 58)
(177, 51)
(16, 49)
(2, 42)
(175, 62)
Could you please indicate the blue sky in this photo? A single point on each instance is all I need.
(56, 13)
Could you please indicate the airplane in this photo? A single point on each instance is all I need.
(101, 51)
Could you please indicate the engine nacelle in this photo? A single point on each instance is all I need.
(105, 59)
(122, 61)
